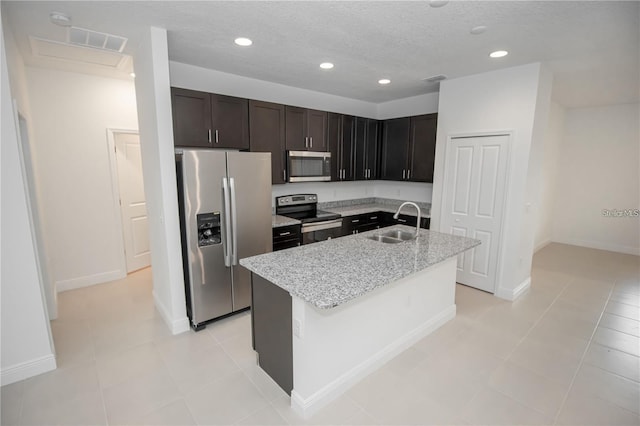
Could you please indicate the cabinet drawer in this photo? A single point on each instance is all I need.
(286, 237)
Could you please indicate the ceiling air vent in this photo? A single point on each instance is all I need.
(96, 40)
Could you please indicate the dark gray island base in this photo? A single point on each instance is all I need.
(271, 331)
(326, 315)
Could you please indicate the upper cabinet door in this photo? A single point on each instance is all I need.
(347, 146)
(360, 148)
(191, 118)
(423, 147)
(230, 122)
(372, 149)
(395, 149)
(296, 137)
(316, 130)
(334, 131)
(266, 128)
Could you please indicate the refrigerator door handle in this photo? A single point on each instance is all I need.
(234, 223)
(226, 247)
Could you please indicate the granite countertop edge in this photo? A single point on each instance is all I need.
(331, 273)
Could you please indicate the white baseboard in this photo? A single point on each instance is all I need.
(306, 407)
(176, 326)
(27, 369)
(89, 280)
(513, 293)
(599, 245)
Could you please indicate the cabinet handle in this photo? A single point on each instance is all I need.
(404, 172)
(311, 141)
(355, 221)
(209, 135)
(217, 138)
(284, 175)
(373, 217)
(306, 142)
(409, 174)
(402, 220)
(282, 234)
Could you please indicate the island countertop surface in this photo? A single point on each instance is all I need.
(330, 273)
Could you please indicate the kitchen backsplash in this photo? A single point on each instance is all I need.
(338, 191)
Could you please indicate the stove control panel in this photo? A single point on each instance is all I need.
(292, 200)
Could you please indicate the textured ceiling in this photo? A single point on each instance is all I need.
(593, 48)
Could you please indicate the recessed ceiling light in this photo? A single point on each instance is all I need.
(243, 41)
(498, 54)
(384, 81)
(60, 18)
(326, 65)
(478, 30)
(437, 3)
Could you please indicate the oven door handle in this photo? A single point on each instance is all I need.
(319, 226)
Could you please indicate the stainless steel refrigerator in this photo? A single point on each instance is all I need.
(225, 215)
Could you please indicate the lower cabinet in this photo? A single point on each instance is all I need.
(361, 223)
(403, 219)
(285, 237)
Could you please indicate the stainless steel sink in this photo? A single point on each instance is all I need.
(400, 235)
(385, 239)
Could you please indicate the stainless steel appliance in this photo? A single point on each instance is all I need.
(317, 225)
(309, 166)
(225, 214)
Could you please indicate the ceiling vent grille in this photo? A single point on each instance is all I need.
(435, 78)
(96, 40)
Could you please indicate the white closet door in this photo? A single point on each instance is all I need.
(475, 184)
(133, 205)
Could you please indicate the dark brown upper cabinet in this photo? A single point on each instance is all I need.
(423, 147)
(209, 120)
(267, 134)
(340, 136)
(306, 129)
(366, 149)
(408, 148)
(395, 148)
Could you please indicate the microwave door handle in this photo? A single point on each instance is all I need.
(234, 222)
(226, 246)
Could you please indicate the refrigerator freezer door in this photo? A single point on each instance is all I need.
(203, 173)
(251, 214)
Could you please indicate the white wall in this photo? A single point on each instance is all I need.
(197, 78)
(337, 191)
(502, 100)
(549, 176)
(599, 168)
(26, 346)
(415, 105)
(153, 93)
(71, 113)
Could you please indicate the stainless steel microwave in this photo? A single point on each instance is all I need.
(309, 166)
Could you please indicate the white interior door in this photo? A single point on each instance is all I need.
(473, 203)
(133, 206)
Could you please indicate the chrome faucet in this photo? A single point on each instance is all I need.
(395, 216)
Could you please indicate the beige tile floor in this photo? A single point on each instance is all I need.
(564, 353)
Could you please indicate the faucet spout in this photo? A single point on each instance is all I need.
(395, 216)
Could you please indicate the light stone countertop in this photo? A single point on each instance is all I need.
(278, 221)
(370, 205)
(330, 273)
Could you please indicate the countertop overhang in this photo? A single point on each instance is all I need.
(330, 273)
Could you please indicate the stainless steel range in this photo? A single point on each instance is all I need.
(317, 225)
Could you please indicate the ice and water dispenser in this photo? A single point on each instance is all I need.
(209, 231)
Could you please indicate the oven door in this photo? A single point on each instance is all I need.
(321, 231)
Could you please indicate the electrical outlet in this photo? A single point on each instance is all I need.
(297, 328)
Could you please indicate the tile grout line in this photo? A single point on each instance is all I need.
(584, 355)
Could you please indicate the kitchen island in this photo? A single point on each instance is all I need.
(325, 315)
